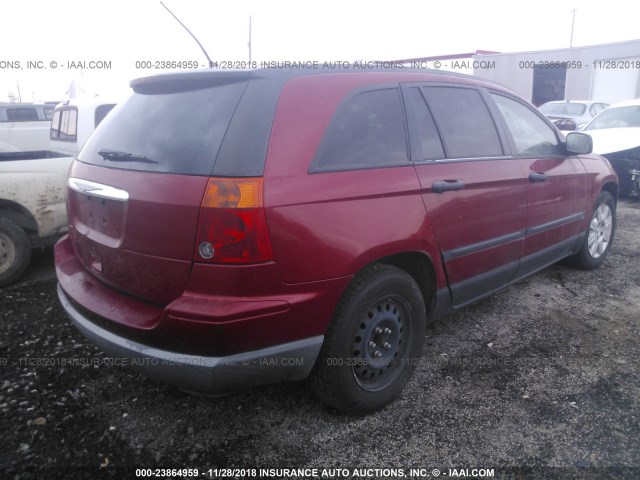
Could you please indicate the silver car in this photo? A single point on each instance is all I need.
(571, 114)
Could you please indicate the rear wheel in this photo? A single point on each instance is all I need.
(599, 235)
(15, 252)
(373, 343)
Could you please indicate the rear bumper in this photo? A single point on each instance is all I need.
(203, 374)
(223, 311)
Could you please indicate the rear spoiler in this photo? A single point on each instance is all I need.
(186, 81)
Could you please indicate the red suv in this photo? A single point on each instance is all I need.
(234, 228)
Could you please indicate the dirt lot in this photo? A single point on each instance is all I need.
(533, 382)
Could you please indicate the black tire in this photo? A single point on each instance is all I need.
(597, 243)
(15, 251)
(382, 305)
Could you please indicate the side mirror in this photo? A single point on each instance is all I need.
(579, 143)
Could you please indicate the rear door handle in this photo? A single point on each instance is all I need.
(445, 185)
(537, 177)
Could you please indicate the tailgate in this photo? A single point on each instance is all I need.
(135, 230)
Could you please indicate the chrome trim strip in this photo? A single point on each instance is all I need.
(97, 189)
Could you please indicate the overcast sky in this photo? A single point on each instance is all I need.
(123, 32)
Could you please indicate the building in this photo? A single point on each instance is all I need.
(609, 73)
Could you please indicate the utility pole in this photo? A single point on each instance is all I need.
(249, 39)
(573, 21)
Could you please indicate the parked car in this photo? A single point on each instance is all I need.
(25, 126)
(235, 228)
(33, 184)
(616, 136)
(571, 114)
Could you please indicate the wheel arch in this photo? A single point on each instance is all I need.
(19, 215)
(613, 189)
(420, 267)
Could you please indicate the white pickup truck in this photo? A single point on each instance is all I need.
(33, 182)
(25, 126)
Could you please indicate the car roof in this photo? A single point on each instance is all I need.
(586, 102)
(284, 74)
(25, 105)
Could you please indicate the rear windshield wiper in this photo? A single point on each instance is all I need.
(116, 156)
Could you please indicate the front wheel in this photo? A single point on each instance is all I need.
(373, 343)
(599, 234)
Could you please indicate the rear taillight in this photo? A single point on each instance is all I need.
(233, 226)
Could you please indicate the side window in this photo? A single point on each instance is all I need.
(531, 135)
(48, 113)
(464, 122)
(22, 114)
(429, 137)
(101, 112)
(600, 107)
(367, 132)
(596, 108)
(64, 125)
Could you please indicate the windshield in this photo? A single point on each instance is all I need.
(617, 117)
(563, 109)
(161, 129)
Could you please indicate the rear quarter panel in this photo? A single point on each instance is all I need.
(332, 224)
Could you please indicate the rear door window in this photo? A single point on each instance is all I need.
(368, 131)
(431, 146)
(176, 127)
(464, 122)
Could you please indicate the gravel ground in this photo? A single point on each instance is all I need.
(536, 381)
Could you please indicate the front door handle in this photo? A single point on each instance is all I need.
(446, 185)
(537, 177)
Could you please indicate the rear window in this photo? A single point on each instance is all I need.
(165, 129)
(561, 109)
(22, 114)
(616, 117)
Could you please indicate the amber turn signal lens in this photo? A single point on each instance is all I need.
(233, 193)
